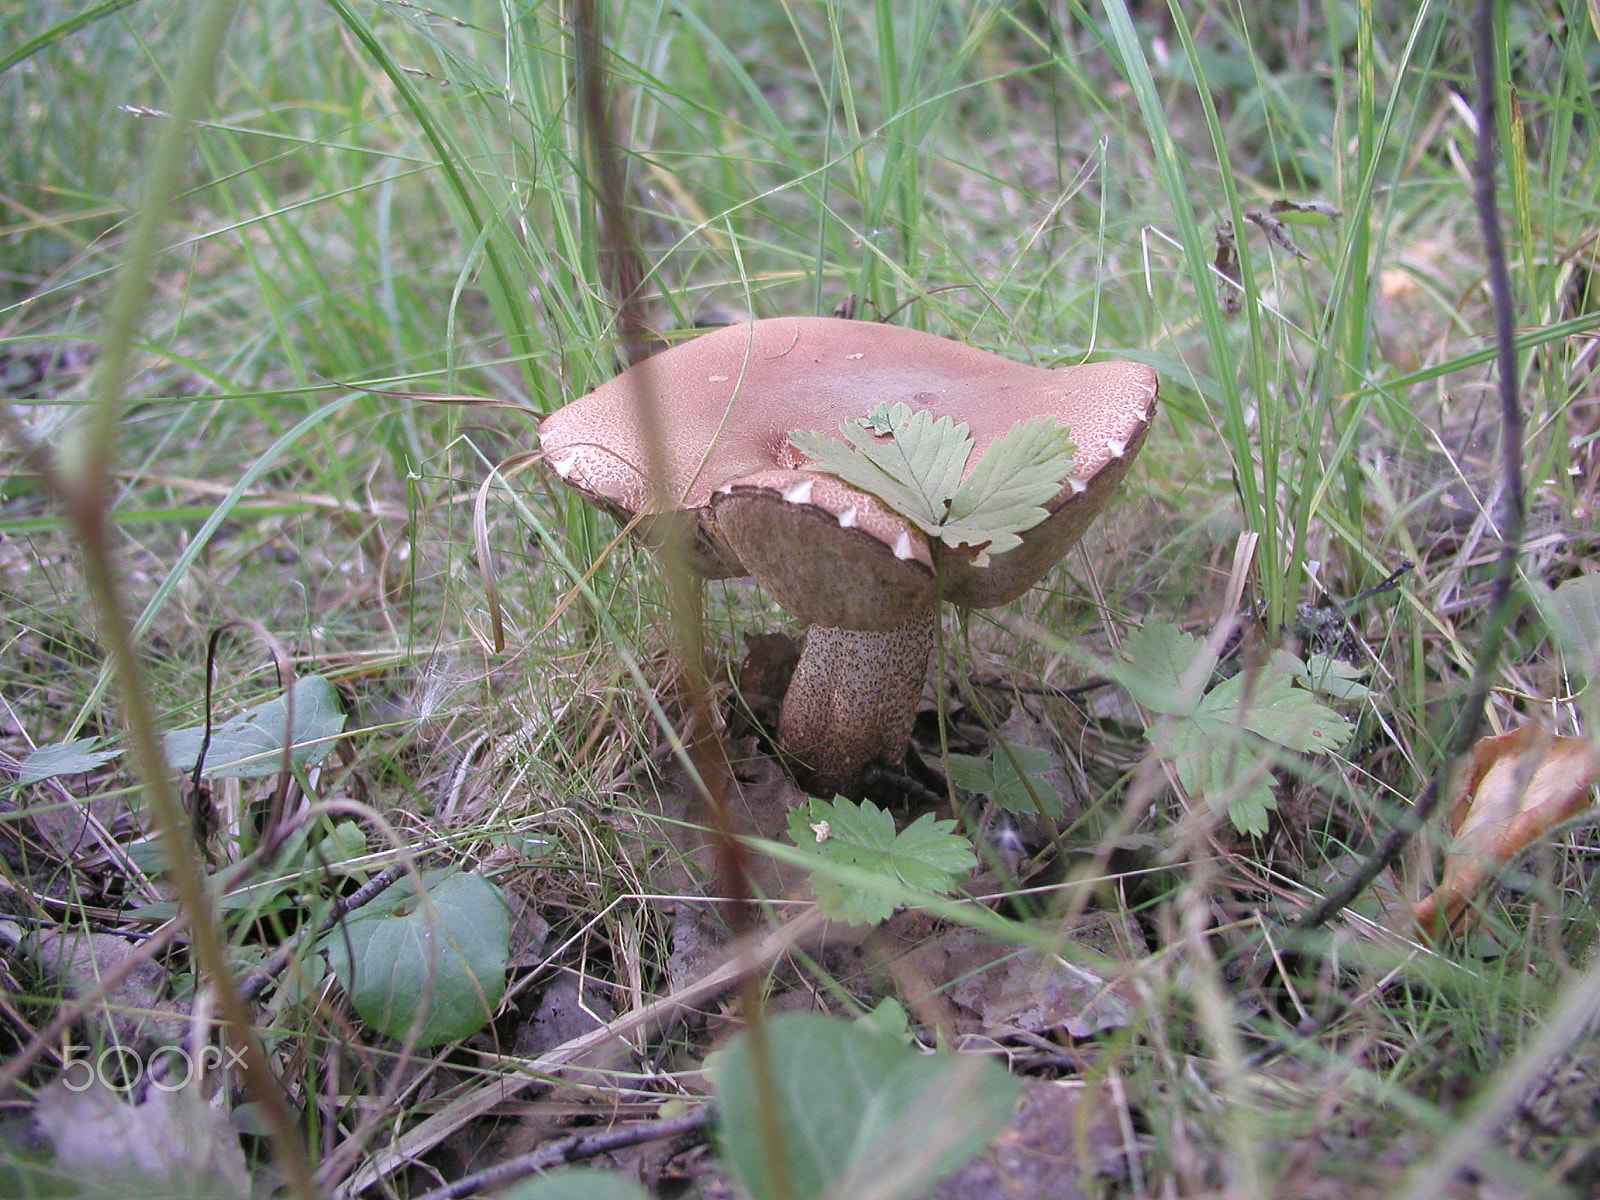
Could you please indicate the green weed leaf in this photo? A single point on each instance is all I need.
(915, 470)
(1334, 677)
(444, 959)
(1222, 740)
(63, 758)
(304, 862)
(1270, 705)
(1572, 612)
(250, 745)
(1005, 493)
(314, 855)
(1014, 777)
(857, 1111)
(913, 461)
(1216, 766)
(1159, 657)
(926, 855)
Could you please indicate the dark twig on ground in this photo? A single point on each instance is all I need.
(251, 985)
(575, 1147)
(1511, 504)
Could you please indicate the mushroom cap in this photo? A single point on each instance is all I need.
(727, 401)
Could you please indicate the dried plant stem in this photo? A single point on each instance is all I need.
(1511, 505)
(624, 270)
(83, 483)
(621, 260)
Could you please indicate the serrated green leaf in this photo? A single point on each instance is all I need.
(1160, 657)
(926, 855)
(925, 452)
(913, 461)
(63, 758)
(971, 773)
(1014, 777)
(857, 1112)
(1223, 764)
(1006, 491)
(444, 959)
(881, 419)
(915, 471)
(250, 745)
(1273, 707)
(1219, 750)
(1334, 677)
(1220, 742)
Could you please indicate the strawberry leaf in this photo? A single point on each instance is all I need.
(1221, 741)
(1159, 657)
(1014, 777)
(1006, 491)
(915, 470)
(925, 856)
(914, 462)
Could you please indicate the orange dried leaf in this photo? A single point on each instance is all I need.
(1517, 787)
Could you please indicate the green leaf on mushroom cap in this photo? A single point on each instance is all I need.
(914, 462)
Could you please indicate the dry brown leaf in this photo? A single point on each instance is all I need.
(173, 1144)
(1064, 1142)
(1517, 787)
(1008, 988)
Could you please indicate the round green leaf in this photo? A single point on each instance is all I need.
(250, 745)
(856, 1110)
(437, 963)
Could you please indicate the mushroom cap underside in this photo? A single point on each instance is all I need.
(730, 398)
(829, 553)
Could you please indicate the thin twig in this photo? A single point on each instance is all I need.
(252, 984)
(575, 1147)
(1512, 514)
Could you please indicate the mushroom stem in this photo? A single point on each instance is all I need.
(852, 701)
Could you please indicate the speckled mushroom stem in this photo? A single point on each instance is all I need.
(852, 701)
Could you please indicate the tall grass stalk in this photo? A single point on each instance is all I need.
(83, 477)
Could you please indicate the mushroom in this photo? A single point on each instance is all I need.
(866, 579)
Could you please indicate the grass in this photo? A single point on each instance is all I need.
(383, 205)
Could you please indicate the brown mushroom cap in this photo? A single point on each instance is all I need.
(729, 398)
(830, 553)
